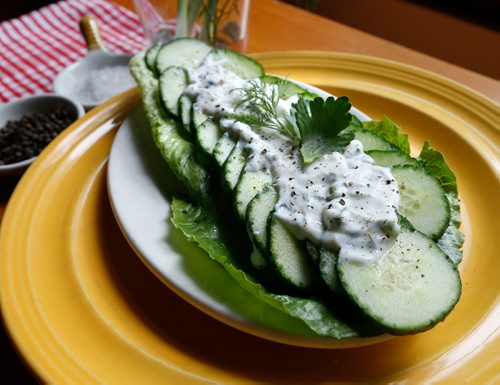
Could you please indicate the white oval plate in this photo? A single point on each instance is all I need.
(140, 186)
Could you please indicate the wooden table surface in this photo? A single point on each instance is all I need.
(276, 26)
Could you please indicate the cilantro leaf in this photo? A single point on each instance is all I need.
(320, 122)
(389, 130)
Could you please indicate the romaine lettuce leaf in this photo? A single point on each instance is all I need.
(179, 153)
(200, 226)
(389, 130)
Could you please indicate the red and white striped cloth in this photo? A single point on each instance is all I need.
(35, 47)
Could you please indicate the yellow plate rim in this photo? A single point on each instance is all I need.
(120, 104)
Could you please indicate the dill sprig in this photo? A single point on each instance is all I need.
(262, 100)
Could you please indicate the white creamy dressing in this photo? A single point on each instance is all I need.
(342, 201)
(215, 89)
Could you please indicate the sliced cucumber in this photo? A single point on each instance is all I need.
(185, 106)
(207, 135)
(258, 211)
(392, 158)
(250, 183)
(372, 141)
(233, 166)
(410, 289)
(223, 148)
(151, 54)
(422, 200)
(326, 260)
(327, 268)
(237, 63)
(184, 52)
(172, 82)
(289, 255)
(197, 117)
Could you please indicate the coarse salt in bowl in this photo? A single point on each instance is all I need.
(94, 79)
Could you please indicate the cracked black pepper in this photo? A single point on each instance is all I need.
(26, 137)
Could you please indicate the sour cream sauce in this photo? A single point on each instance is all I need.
(342, 201)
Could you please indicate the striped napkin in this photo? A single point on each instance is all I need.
(35, 47)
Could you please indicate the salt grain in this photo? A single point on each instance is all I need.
(97, 86)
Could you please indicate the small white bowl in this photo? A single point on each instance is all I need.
(16, 109)
(70, 81)
(64, 82)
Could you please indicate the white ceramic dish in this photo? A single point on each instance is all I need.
(30, 105)
(64, 82)
(140, 186)
(68, 81)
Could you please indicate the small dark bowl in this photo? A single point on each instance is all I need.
(32, 105)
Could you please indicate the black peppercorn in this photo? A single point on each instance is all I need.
(26, 137)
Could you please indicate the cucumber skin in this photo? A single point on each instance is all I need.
(437, 234)
(260, 243)
(391, 329)
(310, 277)
(150, 57)
(171, 110)
(390, 158)
(202, 47)
(235, 65)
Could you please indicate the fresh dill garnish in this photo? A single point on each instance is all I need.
(315, 124)
(262, 99)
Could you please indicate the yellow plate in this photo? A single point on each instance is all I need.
(82, 308)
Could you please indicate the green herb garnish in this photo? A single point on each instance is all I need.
(262, 100)
(320, 123)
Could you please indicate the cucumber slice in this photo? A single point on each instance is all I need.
(372, 141)
(184, 52)
(249, 185)
(206, 130)
(151, 54)
(289, 256)
(172, 83)
(392, 158)
(223, 148)
(410, 289)
(185, 106)
(422, 200)
(258, 211)
(326, 260)
(207, 135)
(237, 63)
(197, 117)
(233, 166)
(327, 268)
